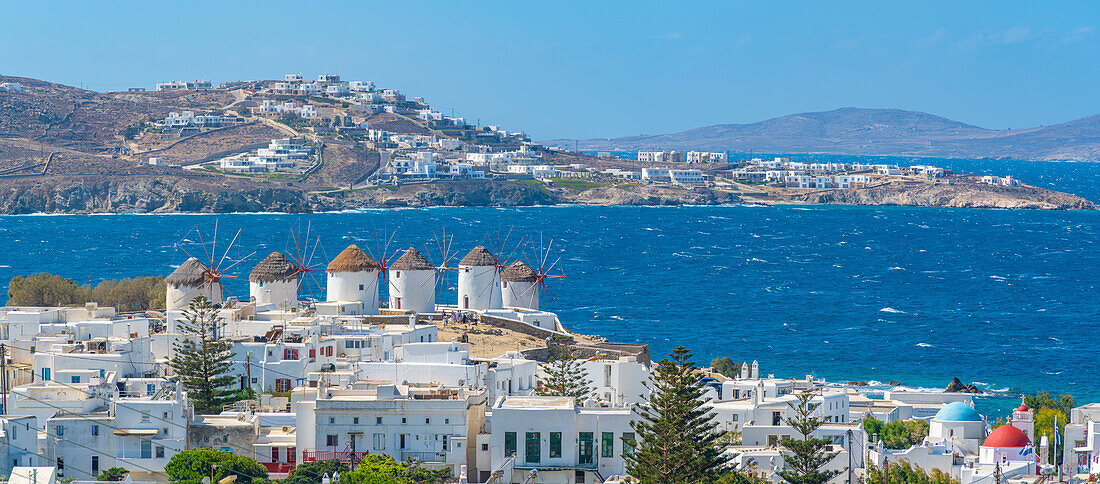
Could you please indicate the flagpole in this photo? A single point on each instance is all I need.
(1056, 447)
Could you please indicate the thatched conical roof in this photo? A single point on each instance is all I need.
(412, 260)
(352, 259)
(518, 272)
(191, 273)
(480, 256)
(274, 267)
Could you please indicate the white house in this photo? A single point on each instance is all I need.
(691, 178)
(18, 442)
(140, 434)
(620, 382)
(656, 175)
(706, 157)
(555, 438)
(1081, 453)
(361, 86)
(430, 424)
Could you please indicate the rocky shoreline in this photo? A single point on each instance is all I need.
(157, 193)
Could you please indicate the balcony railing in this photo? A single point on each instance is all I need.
(431, 457)
(346, 456)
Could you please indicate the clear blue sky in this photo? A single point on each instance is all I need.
(597, 69)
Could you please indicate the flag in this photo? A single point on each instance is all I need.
(1027, 449)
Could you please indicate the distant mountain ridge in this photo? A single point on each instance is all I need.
(861, 131)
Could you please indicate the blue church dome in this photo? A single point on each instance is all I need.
(957, 412)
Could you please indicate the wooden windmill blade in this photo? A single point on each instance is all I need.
(497, 248)
(381, 252)
(302, 257)
(212, 272)
(443, 247)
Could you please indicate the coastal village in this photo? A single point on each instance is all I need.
(323, 143)
(418, 144)
(381, 362)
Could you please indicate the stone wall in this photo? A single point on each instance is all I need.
(521, 327)
(585, 351)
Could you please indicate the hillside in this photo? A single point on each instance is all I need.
(856, 131)
(69, 150)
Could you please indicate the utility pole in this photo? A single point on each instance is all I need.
(248, 372)
(4, 375)
(850, 456)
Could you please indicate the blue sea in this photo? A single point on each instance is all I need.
(1006, 299)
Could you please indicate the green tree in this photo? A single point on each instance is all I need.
(900, 434)
(1049, 410)
(382, 469)
(202, 357)
(904, 473)
(131, 295)
(678, 439)
(1042, 400)
(806, 457)
(311, 472)
(736, 477)
(726, 366)
(113, 474)
(1045, 420)
(564, 376)
(191, 466)
(126, 295)
(45, 289)
(418, 474)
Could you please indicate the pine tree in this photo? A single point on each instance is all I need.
(202, 358)
(678, 440)
(563, 375)
(805, 458)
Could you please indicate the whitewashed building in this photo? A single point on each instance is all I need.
(555, 439)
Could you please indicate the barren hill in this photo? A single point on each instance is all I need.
(856, 131)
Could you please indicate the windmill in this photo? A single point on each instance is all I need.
(479, 272)
(353, 277)
(412, 282)
(522, 284)
(200, 277)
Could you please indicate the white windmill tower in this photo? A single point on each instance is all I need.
(412, 282)
(479, 281)
(353, 276)
(190, 280)
(275, 281)
(519, 285)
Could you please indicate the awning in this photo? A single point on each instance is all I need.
(137, 432)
